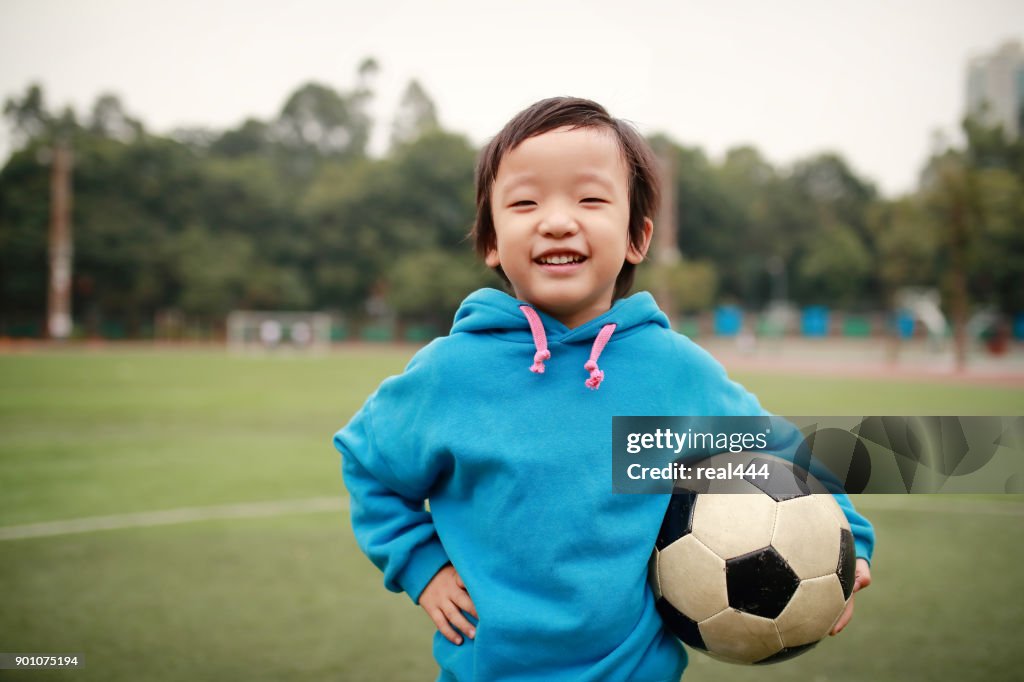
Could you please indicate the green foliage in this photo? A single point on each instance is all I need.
(316, 120)
(28, 117)
(431, 284)
(690, 285)
(836, 265)
(24, 220)
(290, 212)
(906, 244)
(997, 259)
(748, 218)
(417, 115)
(366, 216)
(212, 270)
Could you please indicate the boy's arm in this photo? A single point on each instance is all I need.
(734, 399)
(389, 520)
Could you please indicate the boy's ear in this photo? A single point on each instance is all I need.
(636, 254)
(491, 259)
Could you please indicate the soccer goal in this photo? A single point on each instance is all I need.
(269, 330)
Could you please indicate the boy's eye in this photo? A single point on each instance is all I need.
(594, 200)
(524, 202)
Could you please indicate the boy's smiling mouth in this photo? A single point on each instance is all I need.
(560, 258)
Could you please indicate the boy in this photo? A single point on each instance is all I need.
(527, 563)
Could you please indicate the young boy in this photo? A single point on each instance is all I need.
(529, 565)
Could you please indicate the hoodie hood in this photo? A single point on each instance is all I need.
(489, 311)
(495, 312)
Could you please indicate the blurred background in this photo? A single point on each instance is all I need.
(850, 173)
(223, 224)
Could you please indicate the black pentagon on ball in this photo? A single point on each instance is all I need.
(847, 568)
(678, 519)
(784, 482)
(786, 654)
(680, 625)
(760, 582)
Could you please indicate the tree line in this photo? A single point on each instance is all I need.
(293, 213)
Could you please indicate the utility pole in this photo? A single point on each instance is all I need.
(58, 313)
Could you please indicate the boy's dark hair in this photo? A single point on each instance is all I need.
(556, 112)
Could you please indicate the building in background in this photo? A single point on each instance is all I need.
(995, 87)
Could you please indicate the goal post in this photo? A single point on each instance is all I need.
(269, 330)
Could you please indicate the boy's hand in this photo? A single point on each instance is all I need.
(862, 578)
(444, 599)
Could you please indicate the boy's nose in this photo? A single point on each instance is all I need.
(558, 224)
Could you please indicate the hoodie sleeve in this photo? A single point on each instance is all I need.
(388, 476)
(734, 399)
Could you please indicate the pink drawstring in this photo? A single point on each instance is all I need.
(596, 375)
(540, 341)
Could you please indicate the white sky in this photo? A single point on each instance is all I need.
(868, 78)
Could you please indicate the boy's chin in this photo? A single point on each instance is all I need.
(572, 311)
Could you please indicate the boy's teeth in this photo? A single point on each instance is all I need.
(559, 260)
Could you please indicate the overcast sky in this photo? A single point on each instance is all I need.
(870, 79)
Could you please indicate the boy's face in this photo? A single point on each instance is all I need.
(560, 204)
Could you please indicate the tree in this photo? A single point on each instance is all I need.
(109, 119)
(366, 215)
(838, 202)
(752, 237)
(835, 266)
(24, 216)
(28, 117)
(317, 120)
(907, 245)
(996, 262)
(950, 195)
(416, 115)
(429, 285)
(252, 137)
(706, 217)
(692, 285)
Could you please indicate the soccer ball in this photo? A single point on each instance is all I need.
(753, 570)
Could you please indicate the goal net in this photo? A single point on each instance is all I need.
(268, 330)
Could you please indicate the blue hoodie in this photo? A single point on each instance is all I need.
(517, 469)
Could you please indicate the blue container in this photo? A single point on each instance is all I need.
(1018, 326)
(728, 320)
(903, 321)
(814, 322)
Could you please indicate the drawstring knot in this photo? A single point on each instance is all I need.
(540, 341)
(538, 361)
(596, 375)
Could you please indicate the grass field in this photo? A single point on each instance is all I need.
(290, 597)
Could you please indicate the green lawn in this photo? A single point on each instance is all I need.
(292, 598)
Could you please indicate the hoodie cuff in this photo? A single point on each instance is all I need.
(423, 565)
(862, 550)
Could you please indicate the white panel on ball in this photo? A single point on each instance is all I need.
(692, 578)
(830, 503)
(740, 636)
(806, 617)
(734, 524)
(806, 535)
